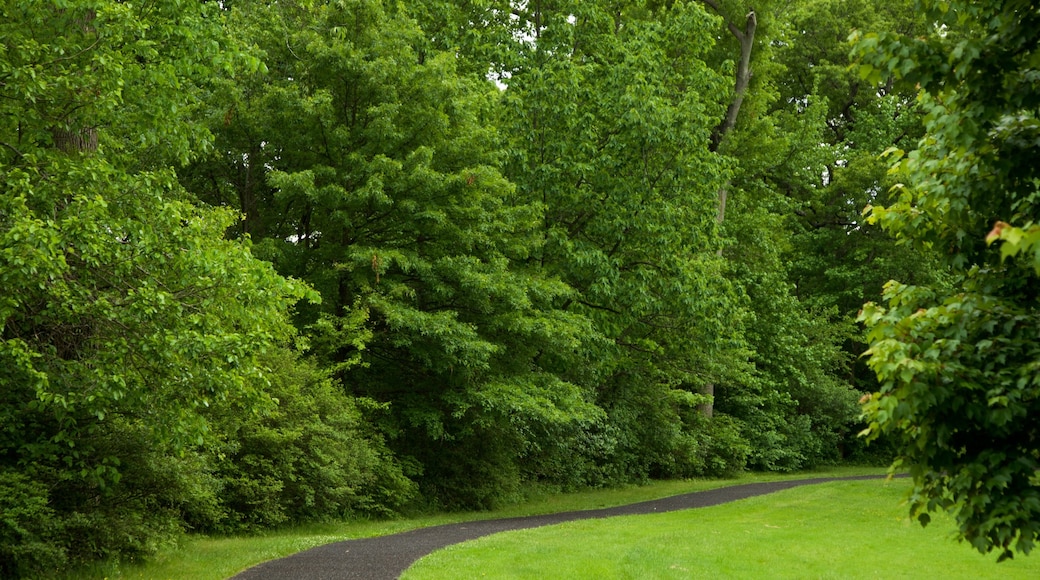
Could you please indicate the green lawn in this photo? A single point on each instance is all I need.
(833, 530)
(216, 558)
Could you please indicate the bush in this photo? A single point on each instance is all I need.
(723, 447)
(139, 503)
(478, 470)
(312, 458)
(28, 528)
(128, 505)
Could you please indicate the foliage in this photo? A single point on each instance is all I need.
(28, 528)
(79, 520)
(838, 259)
(795, 246)
(367, 162)
(958, 366)
(311, 459)
(510, 222)
(609, 116)
(126, 315)
(113, 281)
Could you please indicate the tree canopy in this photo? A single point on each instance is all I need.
(959, 361)
(267, 263)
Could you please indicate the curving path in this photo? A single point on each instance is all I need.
(386, 557)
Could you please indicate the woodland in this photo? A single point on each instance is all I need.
(272, 262)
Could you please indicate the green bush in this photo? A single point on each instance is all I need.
(723, 446)
(311, 458)
(139, 505)
(129, 503)
(567, 457)
(477, 471)
(28, 528)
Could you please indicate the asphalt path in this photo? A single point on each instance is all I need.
(387, 557)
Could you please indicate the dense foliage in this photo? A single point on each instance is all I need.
(959, 363)
(265, 263)
(132, 329)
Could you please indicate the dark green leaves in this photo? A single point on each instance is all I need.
(958, 366)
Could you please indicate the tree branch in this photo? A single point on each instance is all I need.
(746, 39)
(13, 148)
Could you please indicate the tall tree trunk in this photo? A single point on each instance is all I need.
(746, 40)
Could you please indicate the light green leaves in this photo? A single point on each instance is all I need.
(961, 361)
(1024, 241)
(122, 300)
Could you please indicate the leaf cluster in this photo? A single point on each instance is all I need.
(958, 364)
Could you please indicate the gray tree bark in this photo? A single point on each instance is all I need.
(746, 40)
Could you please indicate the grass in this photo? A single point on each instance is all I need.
(216, 558)
(849, 530)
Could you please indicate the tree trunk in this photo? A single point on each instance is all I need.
(708, 409)
(75, 140)
(74, 136)
(746, 39)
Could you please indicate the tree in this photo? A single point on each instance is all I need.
(796, 406)
(367, 163)
(742, 29)
(959, 366)
(840, 261)
(793, 407)
(800, 249)
(610, 117)
(125, 312)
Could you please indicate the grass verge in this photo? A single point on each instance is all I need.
(216, 558)
(849, 530)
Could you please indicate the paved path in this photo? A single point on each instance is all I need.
(386, 557)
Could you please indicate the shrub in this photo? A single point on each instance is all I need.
(724, 448)
(311, 458)
(28, 528)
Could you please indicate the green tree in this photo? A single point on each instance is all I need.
(610, 116)
(841, 261)
(801, 251)
(367, 162)
(959, 366)
(125, 313)
(794, 406)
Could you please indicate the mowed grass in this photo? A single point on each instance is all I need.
(832, 530)
(216, 558)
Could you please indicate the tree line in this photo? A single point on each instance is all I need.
(274, 262)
